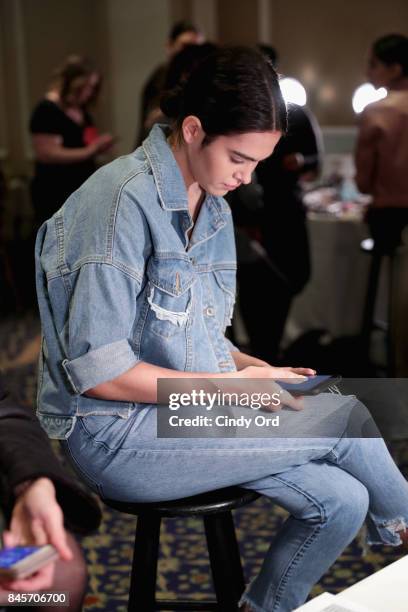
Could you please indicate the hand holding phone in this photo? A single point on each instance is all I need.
(19, 562)
(312, 385)
(37, 519)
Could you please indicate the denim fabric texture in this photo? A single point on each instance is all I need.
(329, 486)
(118, 281)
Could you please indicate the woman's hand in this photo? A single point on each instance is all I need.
(49, 149)
(243, 360)
(101, 144)
(289, 372)
(256, 379)
(37, 519)
(268, 371)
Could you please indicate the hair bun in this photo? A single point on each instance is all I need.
(171, 102)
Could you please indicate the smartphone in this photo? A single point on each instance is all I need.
(21, 561)
(313, 385)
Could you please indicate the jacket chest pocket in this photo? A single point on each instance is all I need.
(169, 295)
(224, 288)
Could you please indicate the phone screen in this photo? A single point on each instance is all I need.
(10, 556)
(321, 381)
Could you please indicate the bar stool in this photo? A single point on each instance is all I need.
(215, 507)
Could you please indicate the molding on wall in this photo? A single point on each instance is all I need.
(22, 76)
(204, 15)
(264, 10)
(339, 129)
(15, 101)
(180, 10)
(3, 113)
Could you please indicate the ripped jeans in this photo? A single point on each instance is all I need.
(329, 486)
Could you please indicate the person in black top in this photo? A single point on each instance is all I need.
(37, 496)
(278, 266)
(64, 139)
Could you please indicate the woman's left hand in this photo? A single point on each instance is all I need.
(243, 360)
(302, 371)
(297, 374)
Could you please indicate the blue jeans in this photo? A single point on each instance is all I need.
(329, 485)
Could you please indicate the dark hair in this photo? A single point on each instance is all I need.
(185, 62)
(180, 28)
(270, 52)
(73, 67)
(392, 49)
(232, 91)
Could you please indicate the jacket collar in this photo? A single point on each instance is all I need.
(166, 172)
(171, 187)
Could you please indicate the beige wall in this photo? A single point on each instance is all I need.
(37, 35)
(125, 38)
(322, 43)
(137, 33)
(53, 29)
(325, 44)
(237, 22)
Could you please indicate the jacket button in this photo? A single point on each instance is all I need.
(209, 311)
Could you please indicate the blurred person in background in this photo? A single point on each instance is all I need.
(382, 146)
(64, 139)
(37, 496)
(89, 99)
(272, 240)
(182, 33)
(382, 171)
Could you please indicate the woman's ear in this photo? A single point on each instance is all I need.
(192, 130)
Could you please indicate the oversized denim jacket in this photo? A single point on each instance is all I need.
(118, 282)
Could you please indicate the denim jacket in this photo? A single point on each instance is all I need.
(119, 281)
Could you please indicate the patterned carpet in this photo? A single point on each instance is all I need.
(183, 567)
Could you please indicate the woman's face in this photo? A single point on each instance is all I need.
(228, 161)
(73, 96)
(90, 89)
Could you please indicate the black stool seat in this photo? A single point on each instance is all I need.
(215, 508)
(213, 502)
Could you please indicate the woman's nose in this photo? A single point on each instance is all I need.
(243, 176)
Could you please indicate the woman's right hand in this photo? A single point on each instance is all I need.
(263, 379)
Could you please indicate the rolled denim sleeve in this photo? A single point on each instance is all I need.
(99, 331)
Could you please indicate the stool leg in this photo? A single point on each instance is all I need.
(369, 304)
(226, 568)
(142, 593)
(390, 330)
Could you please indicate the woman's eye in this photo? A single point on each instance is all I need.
(236, 161)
